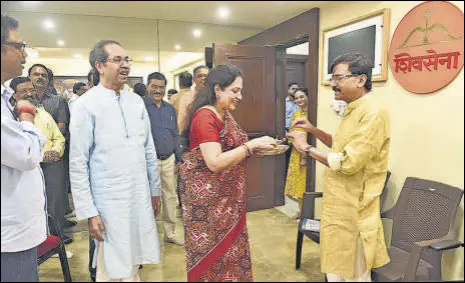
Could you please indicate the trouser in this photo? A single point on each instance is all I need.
(55, 189)
(360, 268)
(169, 195)
(67, 181)
(92, 270)
(102, 275)
(20, 266)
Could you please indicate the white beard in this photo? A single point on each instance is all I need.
(339, 106)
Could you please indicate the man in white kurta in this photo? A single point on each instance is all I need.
(114, 169)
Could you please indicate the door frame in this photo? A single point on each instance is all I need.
(313, 39)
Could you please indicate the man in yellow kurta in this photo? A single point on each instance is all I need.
(352, 238)
(55, 145)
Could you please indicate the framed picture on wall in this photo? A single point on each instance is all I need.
(368, 34)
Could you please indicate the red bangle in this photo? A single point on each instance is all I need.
(26, 109)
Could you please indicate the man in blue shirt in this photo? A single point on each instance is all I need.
(291, 107)
(24, 224)
(166, 139)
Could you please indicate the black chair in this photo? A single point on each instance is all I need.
(308, 212)
(52, 245)
(422, 229)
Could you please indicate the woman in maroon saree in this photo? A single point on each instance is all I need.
(213, 182)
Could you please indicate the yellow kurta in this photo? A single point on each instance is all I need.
(351, 203)
(45, 123)
(296, 174)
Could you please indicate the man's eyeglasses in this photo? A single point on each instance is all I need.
(339, 78)
(21, 46)
(42, 75)
(119, 60)
(26, 91)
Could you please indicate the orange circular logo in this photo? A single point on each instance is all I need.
(426, 51)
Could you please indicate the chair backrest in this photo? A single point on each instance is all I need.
(425, 210)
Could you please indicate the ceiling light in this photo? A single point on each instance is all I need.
(197, 32)
(61, 42)
(49, 24)
(148, 59)
(177, 47)
(77, 56)
(223, 12)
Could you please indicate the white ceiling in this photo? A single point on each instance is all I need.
(134, 24)
(256, 14)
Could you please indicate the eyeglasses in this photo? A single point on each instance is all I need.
(119, 60)
(339, 78)
(26, 91)
(42, 75)
(21, 46)
(156, 87)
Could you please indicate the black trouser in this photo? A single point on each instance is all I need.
(67, 181)
(55, 189)
(92, 271)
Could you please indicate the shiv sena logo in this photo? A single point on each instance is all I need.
(426, 51)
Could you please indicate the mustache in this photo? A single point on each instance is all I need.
(336, 89)
(31, 99)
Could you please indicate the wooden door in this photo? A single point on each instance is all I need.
(256, 114)
(296, 69)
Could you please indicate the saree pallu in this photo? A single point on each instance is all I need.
(214, 211)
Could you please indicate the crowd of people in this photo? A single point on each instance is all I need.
(126, 154)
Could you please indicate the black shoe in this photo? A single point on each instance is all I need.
(69, 223)
(67, 240)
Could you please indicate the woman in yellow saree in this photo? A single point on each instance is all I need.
(297, 172)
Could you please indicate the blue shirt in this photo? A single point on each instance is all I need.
(24, 223)
(164, 128)
(291, 107)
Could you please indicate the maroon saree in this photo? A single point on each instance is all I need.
(214, 208)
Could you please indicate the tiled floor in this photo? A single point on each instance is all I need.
(272, 236)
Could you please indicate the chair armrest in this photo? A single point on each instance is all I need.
(308, 204)
(446, 245)
(415, 255)
(390, 214)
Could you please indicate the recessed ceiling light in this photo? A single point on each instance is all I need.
(197, 33)
(223, 12)
(61, 42)
(148, 58)
(77, 56)
(177, 47)
(49, 24)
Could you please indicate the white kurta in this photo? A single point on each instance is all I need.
(114, 173)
